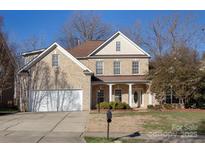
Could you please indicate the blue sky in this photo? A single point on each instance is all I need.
(22, 24)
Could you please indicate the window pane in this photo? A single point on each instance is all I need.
(135, 67)
(116, 67)
(118, 46)
(99, 67)
(118, 95)
(55, 60)
(100, 96)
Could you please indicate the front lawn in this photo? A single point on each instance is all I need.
(149, 122)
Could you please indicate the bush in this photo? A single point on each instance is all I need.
(150, 107)
(201, 105)
(168, 106)
(114, 105)
(103, 105)
(121, 105)
(156, 107)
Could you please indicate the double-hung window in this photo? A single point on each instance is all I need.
(55, 60)
(135, 67)
(99, 67)
(116, 67)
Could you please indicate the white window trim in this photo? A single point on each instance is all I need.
(138, 67)
(114, 67)
(102, 67)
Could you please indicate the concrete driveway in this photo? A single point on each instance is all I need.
(53, 127)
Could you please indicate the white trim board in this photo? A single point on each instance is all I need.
(47, 51)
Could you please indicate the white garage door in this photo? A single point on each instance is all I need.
(61, 100)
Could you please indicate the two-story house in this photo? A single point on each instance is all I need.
(56, 79)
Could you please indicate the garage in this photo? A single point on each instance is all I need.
(55, 100)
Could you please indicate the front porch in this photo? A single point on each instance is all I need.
(137, 95)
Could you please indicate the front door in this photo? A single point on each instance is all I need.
(137, 98)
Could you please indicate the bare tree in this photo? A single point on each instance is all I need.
(168, 32)
(84, 26)
(7, 68)
(33, 43)
(135, 33)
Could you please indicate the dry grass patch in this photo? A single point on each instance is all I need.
(122, 124)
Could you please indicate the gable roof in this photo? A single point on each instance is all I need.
(114, 36)
(84, 49)
(47, 51)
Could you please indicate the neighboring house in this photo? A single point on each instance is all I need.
(8, 67)
(77, 79)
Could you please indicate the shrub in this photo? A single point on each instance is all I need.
(121, 105)
(114, 105)
(201, 105)
(103, 105)
(150, 106)
(156, 107)
(168, 106)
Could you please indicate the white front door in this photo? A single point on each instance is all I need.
(137, 98)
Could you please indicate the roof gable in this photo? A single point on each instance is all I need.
(47, 51)
(128, 47)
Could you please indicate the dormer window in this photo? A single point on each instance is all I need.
(118, 46)
(55, 60)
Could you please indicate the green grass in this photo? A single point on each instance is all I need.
(111, 140)
(166, 121)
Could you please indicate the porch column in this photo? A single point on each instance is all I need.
(110, 92)
(130, 95)
(149, 95)
(150, 98)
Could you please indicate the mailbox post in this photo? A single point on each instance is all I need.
(109, 120)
